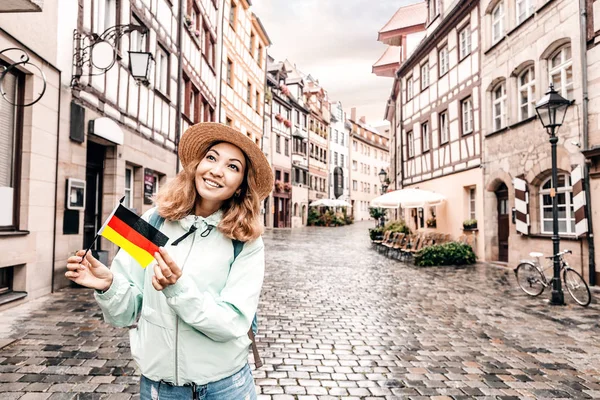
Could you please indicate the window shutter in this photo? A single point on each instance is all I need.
(581, 224)
(521, 205)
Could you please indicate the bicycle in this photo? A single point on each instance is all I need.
(531, 278)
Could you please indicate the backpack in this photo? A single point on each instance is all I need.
(156, 221)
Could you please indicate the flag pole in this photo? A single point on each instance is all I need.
(96, 237)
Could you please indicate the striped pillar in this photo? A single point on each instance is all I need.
(521, 206)
(581, 225)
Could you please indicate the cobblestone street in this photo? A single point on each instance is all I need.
(337, 320)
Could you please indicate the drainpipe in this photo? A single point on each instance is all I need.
(56, 183)
(179, 80)
(220, 38)
(586, 171)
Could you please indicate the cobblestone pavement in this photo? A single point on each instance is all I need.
(337, 320)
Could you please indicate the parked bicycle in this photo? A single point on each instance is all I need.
(532, 279)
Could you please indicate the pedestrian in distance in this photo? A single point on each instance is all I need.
(191, 310)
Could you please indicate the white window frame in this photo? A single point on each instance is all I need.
(425, 137)
(410, 142)
(410, 90)
(129, 187)
(466, 108)
(569, 218)
(499, 106)
(526, 93)
(465, 42)
(162, 70)
(443, 127)
(424, 76)
(560, 71)
(526, 10)
(443, 60)
(498, 22)
(137, 41)
(472, 203)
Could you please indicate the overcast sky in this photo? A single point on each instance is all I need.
(336, 42)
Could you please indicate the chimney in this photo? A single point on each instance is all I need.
(353, 114)
(363, 120)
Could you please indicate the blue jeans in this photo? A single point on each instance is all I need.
(239, 386)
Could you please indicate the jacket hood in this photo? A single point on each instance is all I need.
(201, 222)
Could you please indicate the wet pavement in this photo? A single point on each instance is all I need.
(337, 320)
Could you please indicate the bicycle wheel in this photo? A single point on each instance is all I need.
(576, 286)
(530, 279)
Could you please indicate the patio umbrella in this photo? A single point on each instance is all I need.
(408, 198)
(340, 203)
(320, 202)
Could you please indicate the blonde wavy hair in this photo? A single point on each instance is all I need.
(241, 214)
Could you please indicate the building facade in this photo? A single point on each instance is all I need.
(437, 121)
(243, 69)
(369, 154)
(318, 132)
(523, 50)
(339, 174)
(281, 143)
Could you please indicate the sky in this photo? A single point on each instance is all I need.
(336, 42)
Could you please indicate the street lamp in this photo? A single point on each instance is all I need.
(552, 109)
(383, 179)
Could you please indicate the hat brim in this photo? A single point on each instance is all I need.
(197, 139)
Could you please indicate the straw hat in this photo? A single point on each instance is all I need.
(196, 140)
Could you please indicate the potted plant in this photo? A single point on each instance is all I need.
(279, 117)
(287, 187)
(187, 20)
(431, 222)
(287, 123)
(278, 185)
(470, 224)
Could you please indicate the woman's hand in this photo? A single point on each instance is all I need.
(90, 273)
(166, 272)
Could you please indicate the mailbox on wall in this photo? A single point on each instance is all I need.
(75, 198)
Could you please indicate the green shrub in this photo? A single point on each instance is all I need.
(470, 224)
(376, 233)
(397, 226)
(453, 253)
(376, 212)
(313, 217)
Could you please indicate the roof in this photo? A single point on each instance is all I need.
(407, 16)
(390, 56)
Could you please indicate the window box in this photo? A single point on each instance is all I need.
(470, 225)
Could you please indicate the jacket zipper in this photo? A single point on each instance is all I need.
(177, 317)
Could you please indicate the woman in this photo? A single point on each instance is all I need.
(196, 304)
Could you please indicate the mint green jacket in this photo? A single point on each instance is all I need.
(195, 330)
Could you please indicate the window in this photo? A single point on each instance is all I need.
(354, 165)
(162, 70)
(410, 143)
(257, 101)
(472, 202)
(230, 72)
(137, 41)
(424, 76)
(232, 14)
(259, 55)
(209, 47)
(561, 71)
(287, 147)
(409, 88)
(128, 202)
(465, 42)
(191, 105)
(527, 99)
(286, 176)
(499, 106)
(342, 138)
(444, 62)
(443, 126)
(498, 22)
(10, 148)
(524, 10)
(335, 158)
(252, 44)
(6, 279)
(466, 107)
(434, 9)
(278, 144)
(249, 94)
(105, 15)
(355, 145)
(342, 164)
(425, 136)
(228, 121)
(566, 214)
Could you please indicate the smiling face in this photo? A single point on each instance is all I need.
(219, 175)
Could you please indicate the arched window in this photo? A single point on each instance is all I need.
(526, 82)
(564, 195)
(560, 70)
(295, 209)
(499, 105)
(498, 22)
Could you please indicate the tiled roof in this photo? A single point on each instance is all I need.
(390, 56)
(407, 16)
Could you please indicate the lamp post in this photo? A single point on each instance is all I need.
(551, 110)
(383, 179)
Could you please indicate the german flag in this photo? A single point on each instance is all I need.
(134, 235)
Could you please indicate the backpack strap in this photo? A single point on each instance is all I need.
(238, 246)
(156, 220)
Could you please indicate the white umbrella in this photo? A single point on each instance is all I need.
(330, 203)
(408, 198)
(341, 203)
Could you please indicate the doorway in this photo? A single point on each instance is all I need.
(503, 224)
(94, 175)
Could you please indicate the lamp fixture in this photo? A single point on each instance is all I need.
(6, 69)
